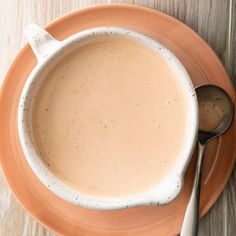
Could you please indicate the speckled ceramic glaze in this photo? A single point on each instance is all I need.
(49, 52)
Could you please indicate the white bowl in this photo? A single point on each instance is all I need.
(49, 52)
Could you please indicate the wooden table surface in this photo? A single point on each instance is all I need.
(214, 20)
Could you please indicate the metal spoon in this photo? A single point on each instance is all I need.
(215, 116)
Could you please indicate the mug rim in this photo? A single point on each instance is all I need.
(167, 187)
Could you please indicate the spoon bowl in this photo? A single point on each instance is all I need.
(215, 112)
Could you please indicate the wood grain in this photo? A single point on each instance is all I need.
(214, 20)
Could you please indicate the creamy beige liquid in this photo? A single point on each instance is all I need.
(110, 119)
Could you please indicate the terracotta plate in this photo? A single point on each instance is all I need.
(66, 219)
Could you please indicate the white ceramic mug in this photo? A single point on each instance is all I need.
(49, 52)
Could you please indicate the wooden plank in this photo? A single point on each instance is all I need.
(215, 21)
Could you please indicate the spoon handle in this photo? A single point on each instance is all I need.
(190, 224)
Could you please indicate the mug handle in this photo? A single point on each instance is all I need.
(41, 42)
